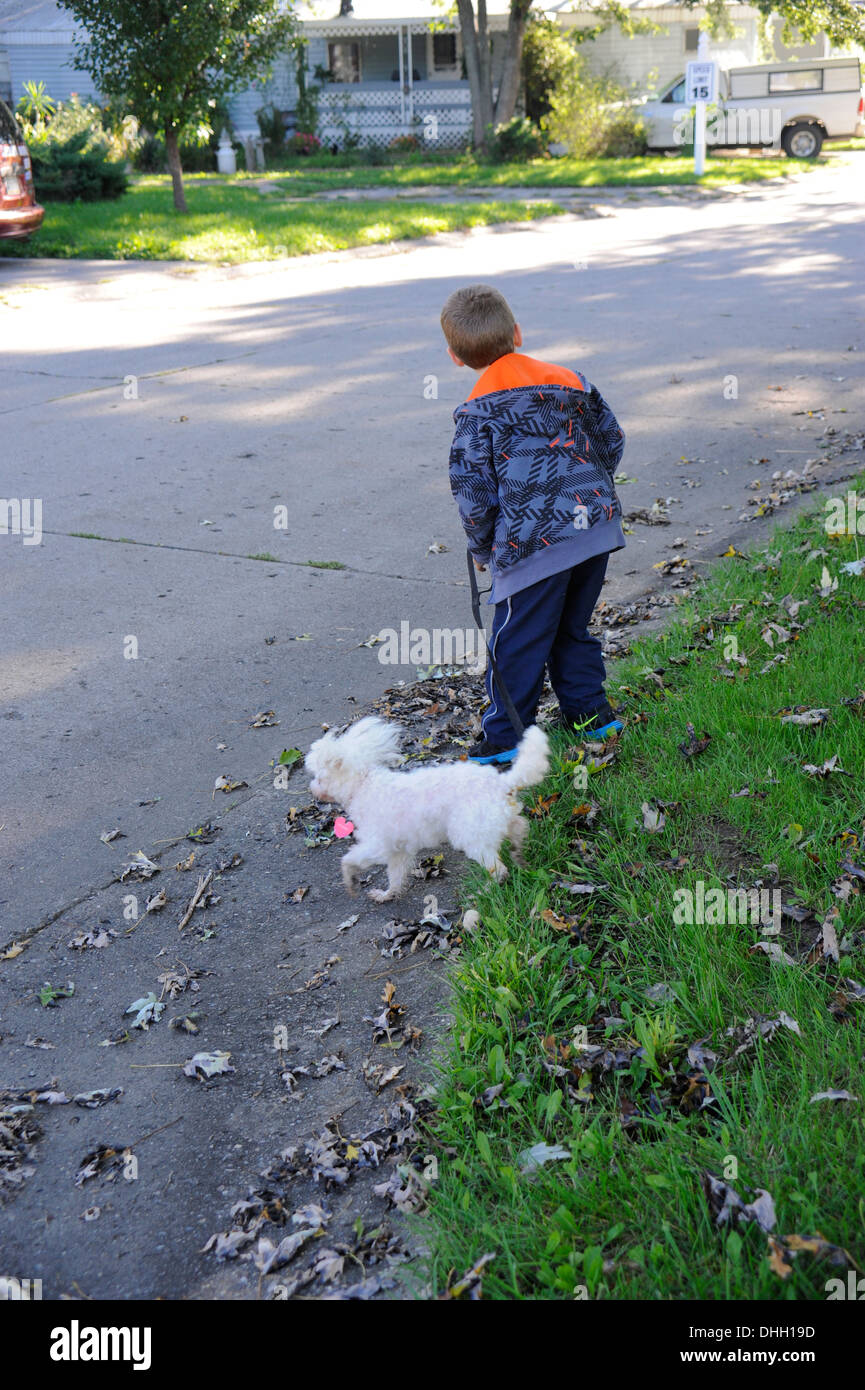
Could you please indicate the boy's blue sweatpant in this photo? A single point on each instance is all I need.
(546, 627)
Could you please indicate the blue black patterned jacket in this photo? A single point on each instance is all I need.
(531, 469)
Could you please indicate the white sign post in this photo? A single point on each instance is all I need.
(701, 87)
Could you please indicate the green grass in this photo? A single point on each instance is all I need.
(625, 1216)
(467, 172)
(233, 223)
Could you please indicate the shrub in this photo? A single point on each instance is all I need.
(404, 144)
(375, 156)
(67, 171)
(518, 139)
(35, 107)
(302, 144)
(548, 57)
(590, 114)
(272, 128)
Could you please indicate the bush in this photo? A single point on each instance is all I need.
(67, 171)
(590, 115)
(518, 139)
(548, 56)
(150, 157)
(375, 156)
(404, 144)
(302, 144)
(272, 128)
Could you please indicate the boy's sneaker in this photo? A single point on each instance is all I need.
(600, 723)
(484, 752)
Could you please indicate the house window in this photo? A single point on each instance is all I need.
(343, 59)
(443, 57)
(692, 40)
(799, 80)
(444, 51)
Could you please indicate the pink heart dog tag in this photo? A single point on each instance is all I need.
(342, 828)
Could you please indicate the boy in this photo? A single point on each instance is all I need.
(531, 469)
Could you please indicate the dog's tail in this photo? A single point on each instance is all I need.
(532, 762)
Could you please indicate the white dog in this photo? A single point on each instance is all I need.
(397, 814)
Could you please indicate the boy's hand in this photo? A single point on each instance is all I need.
(480, 567)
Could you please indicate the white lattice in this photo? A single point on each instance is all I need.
(436, 117)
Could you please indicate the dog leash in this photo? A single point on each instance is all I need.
(519, 727)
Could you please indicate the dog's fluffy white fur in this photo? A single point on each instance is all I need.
(474, 808)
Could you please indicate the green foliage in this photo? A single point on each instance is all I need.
(75, 157)
(303, 144)
(590, 115)
(272, 128)
(306, 106)
(842, 20)
(375, 156)
(35, 106)
(170, 63)
(71, 170)
(553, 65)
(517, 140)
(548, 56)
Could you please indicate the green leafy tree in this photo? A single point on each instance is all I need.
(842, 20)
(171, 62)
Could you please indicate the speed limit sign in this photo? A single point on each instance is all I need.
(701, 82)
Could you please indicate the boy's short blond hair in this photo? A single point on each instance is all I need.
(478, 324)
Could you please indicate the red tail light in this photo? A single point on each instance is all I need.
(862, 106)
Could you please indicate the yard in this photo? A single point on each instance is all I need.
(248, 217)
(646, 171)
(232, 222)
(610, 1047)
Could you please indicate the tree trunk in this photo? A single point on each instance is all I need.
(175, 168)
(485, 66)
(474, 46)
(509, 87)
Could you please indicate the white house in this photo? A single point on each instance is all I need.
(394, 67)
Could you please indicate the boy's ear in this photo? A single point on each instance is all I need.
(458, 360)
(518, 336)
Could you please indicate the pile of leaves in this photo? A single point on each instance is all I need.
(327, 1267)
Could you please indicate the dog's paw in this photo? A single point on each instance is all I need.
(381, 895)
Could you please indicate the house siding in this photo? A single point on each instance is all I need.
(280, 90)
(647, 59)
(50, 63)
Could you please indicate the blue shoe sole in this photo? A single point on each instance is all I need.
(614, 727)
(506, 757)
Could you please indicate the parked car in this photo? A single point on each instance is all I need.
(20, 214)
(795, 103)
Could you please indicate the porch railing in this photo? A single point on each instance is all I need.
(437, 114)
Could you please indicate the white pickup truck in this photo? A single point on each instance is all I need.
(796, 104)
